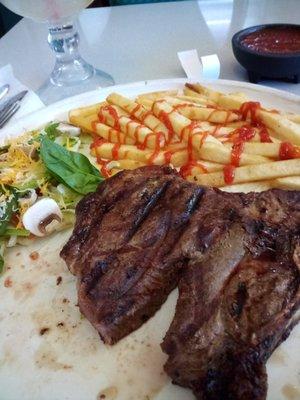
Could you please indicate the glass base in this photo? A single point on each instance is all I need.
(50, 92)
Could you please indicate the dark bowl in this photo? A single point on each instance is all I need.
(265, 64)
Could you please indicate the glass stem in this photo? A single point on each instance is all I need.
(70, 68)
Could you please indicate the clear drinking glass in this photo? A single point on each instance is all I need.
(71, 74)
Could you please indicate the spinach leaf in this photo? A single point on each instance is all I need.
(71, 168)
(51, 130)
(7, 208)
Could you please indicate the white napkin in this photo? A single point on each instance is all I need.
(207, 68)
(31, 101)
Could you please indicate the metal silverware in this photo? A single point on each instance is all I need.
(3, 91)
(10, 107)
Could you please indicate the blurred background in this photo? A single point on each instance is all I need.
(8, 19)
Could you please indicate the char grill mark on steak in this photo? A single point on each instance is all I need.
(235, 258)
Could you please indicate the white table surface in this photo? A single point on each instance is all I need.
(140, 42)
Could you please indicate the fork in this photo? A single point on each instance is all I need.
(10, 107)
(9, 112)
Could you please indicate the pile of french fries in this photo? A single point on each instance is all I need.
(197, 131)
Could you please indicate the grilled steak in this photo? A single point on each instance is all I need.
(238, 300)
(121, 258)
(234, 257)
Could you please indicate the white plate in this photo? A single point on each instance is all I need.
(70, 361)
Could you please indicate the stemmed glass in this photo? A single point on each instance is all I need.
(71, 74)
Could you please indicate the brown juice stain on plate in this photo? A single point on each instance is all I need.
(6, 355)
(139, 362)
(45, 357)
(34, 255)
(291, 392)
(8, 282)
(24, 290)
(109, 393)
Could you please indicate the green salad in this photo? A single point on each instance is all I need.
(43, 175)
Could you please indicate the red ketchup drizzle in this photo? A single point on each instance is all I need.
(97, 142)
(136, 108)
(115, 151)
(168, 155)
(245, 133)
(250, 107)
(264, 135)
(186, 170)
(158, 136)
(229, 171)
(288, 151)
(182, 105)
(94, 125)
(112, 112)
(164, 117)
(240, 136)
(236, 153)
(136, 133)
(189, 129)
(103, 167)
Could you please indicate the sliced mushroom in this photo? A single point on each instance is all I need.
(43, 217)
(71, 130)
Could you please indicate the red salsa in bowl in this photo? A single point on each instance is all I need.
(269, 51)
(275, 40)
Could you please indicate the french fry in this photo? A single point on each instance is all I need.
(293, 117)
(248, 187)
(203, 167)
(252, 173)
(157, 95)
(111, 151)
(84, 122)
(285, 129)
(196, 100)
(181, 125)
(176, 158)
(235, 124)
(196, 112)
(195, 133)
(204, 91)
(140, 133)
(282, 127)
(90, 124)
(139, 112)
(112, 135)
(147, 103)
(177, 121)
(129, 164)
(221, 154)
(262, 149)
(191, 93)
(85, 111)
(116, 166)
(288, 183)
